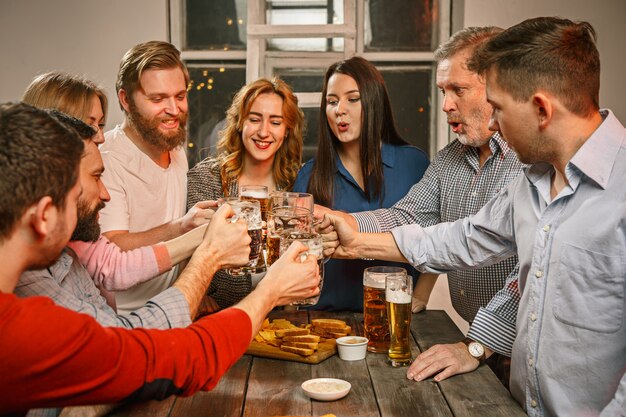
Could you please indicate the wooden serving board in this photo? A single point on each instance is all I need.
(325, 350)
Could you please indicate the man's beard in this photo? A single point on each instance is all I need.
(149, 129)
(87, 227)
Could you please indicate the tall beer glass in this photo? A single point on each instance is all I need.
(258, 193)
(376, 325)
(398, 290)
(249, 211)
(314, 242)
(281, 220)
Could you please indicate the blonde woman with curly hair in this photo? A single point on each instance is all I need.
(261, 144)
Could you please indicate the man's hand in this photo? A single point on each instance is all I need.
(227, 243)
(443, 360)
(290, 279)
(199, 214)
(340, 239)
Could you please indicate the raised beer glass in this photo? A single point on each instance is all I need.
(249, 211)
(282, 220)
(314, 242)
(291, 199)
(260, 194)
(398, 290)
(376, 325)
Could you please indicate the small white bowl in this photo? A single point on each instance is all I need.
(326, 389)
(352, 348)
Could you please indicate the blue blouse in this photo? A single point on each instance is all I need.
(403, 166)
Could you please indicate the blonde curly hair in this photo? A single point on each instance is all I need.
(230, 145)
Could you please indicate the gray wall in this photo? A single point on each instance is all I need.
(86, 37)
(607, 17)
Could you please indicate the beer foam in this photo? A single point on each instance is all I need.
(254, 194)
(397, 297)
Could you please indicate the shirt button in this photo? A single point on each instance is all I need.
(533, 403)
(538, 274)
(462, 293)
(546, 228)
(533, 316)
(530, 362)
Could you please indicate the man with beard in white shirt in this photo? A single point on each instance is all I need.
(145, 163)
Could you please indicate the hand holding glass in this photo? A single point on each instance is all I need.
(313, 241)
(249, 211)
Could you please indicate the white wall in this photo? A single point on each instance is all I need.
(86, 37)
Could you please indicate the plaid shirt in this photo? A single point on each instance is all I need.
(68, 283)
(455, 187)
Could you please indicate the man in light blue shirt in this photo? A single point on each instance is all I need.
(565, 218)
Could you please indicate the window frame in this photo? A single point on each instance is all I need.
(261, 62)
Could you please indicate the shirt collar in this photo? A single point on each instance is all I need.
(498, 143)
(597, 156)
(594, 159)
(62, 266)
(387, 154)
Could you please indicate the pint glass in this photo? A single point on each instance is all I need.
(376, 326)
(398, 290)
(258, 193)
(314, 242)
(249, 211)
(281, 220)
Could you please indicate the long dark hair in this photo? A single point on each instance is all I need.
(377, 125)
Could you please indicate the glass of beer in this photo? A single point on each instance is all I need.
(376, 325)
(250, 211)
(282, 220)
(314, 242)
(291, 199)
(398, 290)
(258, 193)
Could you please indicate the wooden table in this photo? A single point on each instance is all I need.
(261, 387)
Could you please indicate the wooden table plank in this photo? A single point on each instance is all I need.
(398, 396)
(146, 409)
(478, 393)
(226, 399)
(274, 389)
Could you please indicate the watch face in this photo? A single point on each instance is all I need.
(476, 349)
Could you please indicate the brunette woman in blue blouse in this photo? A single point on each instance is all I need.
(362, 163)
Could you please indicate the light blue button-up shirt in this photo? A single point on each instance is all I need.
(569, 356)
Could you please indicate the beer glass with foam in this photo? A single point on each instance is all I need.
(258, 193)
(398, 290)
(313, 241)
(376, 325)
(250, 211)
(281, 220)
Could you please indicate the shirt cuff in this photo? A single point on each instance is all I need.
(493, 331)
(367, 221)
(163, 259)
(407, 239)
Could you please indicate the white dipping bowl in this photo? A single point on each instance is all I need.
(326, 389)
(352, 348)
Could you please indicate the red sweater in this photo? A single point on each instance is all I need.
(50, 356)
